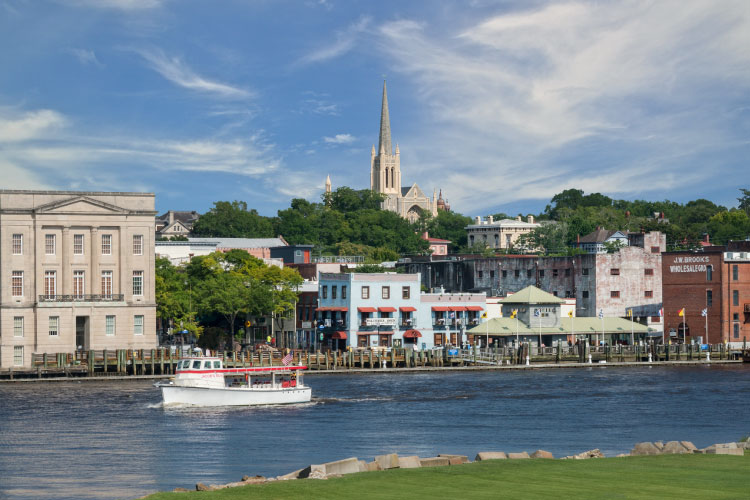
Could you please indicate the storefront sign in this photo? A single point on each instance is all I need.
(380, 321)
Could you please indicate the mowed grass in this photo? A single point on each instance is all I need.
(666, 476)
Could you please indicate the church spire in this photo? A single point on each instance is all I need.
(385, 125)
(328, 184)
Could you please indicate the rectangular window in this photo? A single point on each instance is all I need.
(492, 274)
(655, 319)
(107, 284)
(709, 298)
(324, 289)
(16, 283)
(138, 325)
(516, 273)
(365, 292)
(49, 244)
(78, 284)
(614, 271)
(54, 325)
(17, 244)
(137, 244)
(554, 293)
(736, 330)
(137, 282)
(77, 244)
(480, 274)
(736, 316)
(386, 292)
(709, 273)
(615, 294)
(18, 355)
(585, 294)
(18, 326)
(529, 273)
(649, 294)
(109, 325)
(334, 291)
(735, 272)
(655, 250)
(343, 291)
(405, 292)
(648, 272)
(568, 294)
(585, 271)
(567, 271)
(541, 273)
(554, 273)
(50, 283)
(735, 297)
(106, 244)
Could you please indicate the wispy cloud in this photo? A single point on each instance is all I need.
(178, 72)
(85, 57)
(345, 41)
(579, 94)
(29, 125)
(339, 139)
(126, 5)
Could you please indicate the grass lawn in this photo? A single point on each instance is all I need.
(665, 476)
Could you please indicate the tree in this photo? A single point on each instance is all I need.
(450, 226)
(174, 298)
(233, 220)
(744, 201)
(548, 238)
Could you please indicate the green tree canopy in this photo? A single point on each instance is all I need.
(233, 220)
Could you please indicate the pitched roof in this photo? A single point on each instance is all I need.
(568, 326)
(599, 236)
(531, 295)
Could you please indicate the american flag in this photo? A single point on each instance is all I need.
(287, 359)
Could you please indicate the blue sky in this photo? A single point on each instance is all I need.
(501, 104)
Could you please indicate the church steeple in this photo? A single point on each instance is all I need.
(385, 125)
(328, 184)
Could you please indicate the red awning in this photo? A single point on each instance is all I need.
(408, 309)
(412, 334)
(339, 335)
(387, 309)
(366, 309)
(441, 308)
(474, 308)
(332, 308)
(374, 333)
(458, 308)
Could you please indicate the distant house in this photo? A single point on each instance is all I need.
(437, 246)
(499, 234)
(175, 223)
(594, 242)
(257, 247)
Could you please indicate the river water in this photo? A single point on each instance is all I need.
(115, 440)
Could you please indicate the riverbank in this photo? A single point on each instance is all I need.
(101, 377)
(690, 476)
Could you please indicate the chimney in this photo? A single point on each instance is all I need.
(478, 219)
(425, 235)
(530, 218)
(706, 239)
(490, 219)
(518, 218)
(171, 216)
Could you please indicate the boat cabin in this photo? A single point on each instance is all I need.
(210, 372)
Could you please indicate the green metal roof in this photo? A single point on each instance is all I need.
(568, 326)
(531, 295)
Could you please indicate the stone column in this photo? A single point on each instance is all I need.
(94, 252)
(65, 251)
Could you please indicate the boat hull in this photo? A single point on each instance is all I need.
(233, 396)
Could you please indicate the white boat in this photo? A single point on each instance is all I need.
(204, 381)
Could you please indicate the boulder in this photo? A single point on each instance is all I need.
(373, 466)
(455, 459)
(345, 466)
(622, 455)
(542, 454)
(202, 487)
(254, 479)
(387, 461)
(595, 453)
(362, 465)
(645, 448)
(490, 455)
(722, 449)
(744, 445)
(317, 474)
(409, 462)
(674, 447)
(523, 454)
(688, 446)
(180, 490)
(291, 475)
(434, 462)
(659, 445)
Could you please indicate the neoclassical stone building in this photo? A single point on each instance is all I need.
(385, 175)
(77, 270)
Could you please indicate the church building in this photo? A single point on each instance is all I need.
(385, 176)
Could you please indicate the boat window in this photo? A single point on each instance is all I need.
(206, 365)
(186, 364)
(196, 365)
(217, 364)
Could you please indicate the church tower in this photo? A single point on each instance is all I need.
(385, 166)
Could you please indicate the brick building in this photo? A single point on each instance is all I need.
(716, 279)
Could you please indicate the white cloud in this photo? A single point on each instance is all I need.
(30, 125)
(85, 56)
(179, 73)
(126, 5)
(345, 41)
(339, 139)
(580, 94)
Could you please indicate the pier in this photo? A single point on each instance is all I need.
(162, 362)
